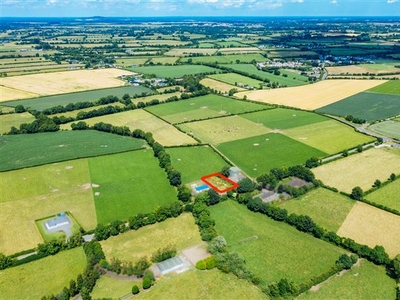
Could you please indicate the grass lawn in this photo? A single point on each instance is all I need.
(27, 150)
(259, 154)
(9, 120)
(201, 108)
(195, 162)
(34, 280)
(387, 195)
(173, 71)
(390, 87)
(236, 79)
(387, 128)
(205, 285)
(363, 281)
(326, 208)
(181, 232)
(280, 251)
(124, 185)
(282, 118)
(114, 288)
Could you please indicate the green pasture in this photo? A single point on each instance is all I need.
(113, 288)
(281, 118)
(173, 71)
(259, 154)
(236, 79)
(279, 251)
(49, 147)
(164, 60)
(9, 120)
(387, 128)
(6, 109)
(202, 107)
(229, 44)
(160, 97)
(128, 61)
(74, 113)
(387, 195)
(124, 186)
(364, 281)
(391, 87)
(34, 280)
(328, 209)
(365, 105)
(195, 162)
(227, 59)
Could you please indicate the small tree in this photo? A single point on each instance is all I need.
(377, 183)
(392, 177)
(359, 148)
(135, 289)
(356, 193)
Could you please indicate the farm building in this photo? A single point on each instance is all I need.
(60, 220)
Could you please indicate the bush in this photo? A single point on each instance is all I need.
(146, 283)
(135, 290)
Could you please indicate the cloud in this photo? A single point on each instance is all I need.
(334, 2)
(297, 1)
(392, 1)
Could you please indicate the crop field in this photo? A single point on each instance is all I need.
(387, 195)
(371, 226)
(239, 50)
(236, 79)
(49, 147)
(344, 174)
(181, 232)
(173, 71)
(195, 162)
(201, 108)
(362, 69)
(312, 96)
(160, 97)
(163, 132)
(221, 130)
(276, 247)
(328, 209)
(9, 120)
(124, 189)
(37, 279)
(387, 128)
(48, 190)
(64, 82)
(369, 106)
(188, 51)
(259, 154)
(364, 281)
(390, 87)
(13, 94)
(227, 59)
(164, 60)
(219, 86)
(51, 101)
(128, 61)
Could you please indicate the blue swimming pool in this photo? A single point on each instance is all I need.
(202, 187)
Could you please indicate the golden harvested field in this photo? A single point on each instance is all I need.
(371, 226)
(219, 86)
(14, 94)
(359, 69)
(187, 51)
(359, 169)
(311, 96)
(63, 82)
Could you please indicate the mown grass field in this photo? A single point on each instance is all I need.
(364, 281)
(173, 71)
(181, 232)
(259, 154)
(328, 209)
(195, 162)
(51, 101)
(219, 86)
(236, 79)
(33, 280)
(387, 128)
(201, 108)
(387, 195)
(345, 174)
(371, 226)
(9, 120)
(43, 148)
(277, 247)
(369, 106)
(227, 59)
(391, 87)
(124, 186)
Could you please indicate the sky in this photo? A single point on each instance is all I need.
(145, 8)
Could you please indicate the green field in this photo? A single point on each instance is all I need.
(236, 79)
(173, 71)
(259, 154)
(328, 209)
(279, 251)
(387, 128)
(387, 195)
(363, 281)
(124, 186)
(34, 280)
(391, 87)
(226, 59)
(195, 162)
(113, 288)
(365, 105)
(201, 108)
(43, 148)
(9, 120)
(51, 101)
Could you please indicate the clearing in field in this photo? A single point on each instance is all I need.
(48, 190)
(13, 94)
(181, 232)
(65, 82)
(124, 188)
(328, 209)
(174, 71)
(195, 162)
(364, 281)
(371, 226)
(387, 195)
(259, 154)
(276, 247)
(221, 130)
(38, 280)
(360, 169)
(49, 147)
(220, 86)
(311, 96)
(387, 128)
(9, 120)
(391, 87)
(237, 80)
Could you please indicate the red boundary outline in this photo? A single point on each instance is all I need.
(217, 174)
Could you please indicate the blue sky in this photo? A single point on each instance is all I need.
(137, 8)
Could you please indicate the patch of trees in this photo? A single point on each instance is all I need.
(41, 124)
(126, 268)
(164, 254)
(350, 118)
